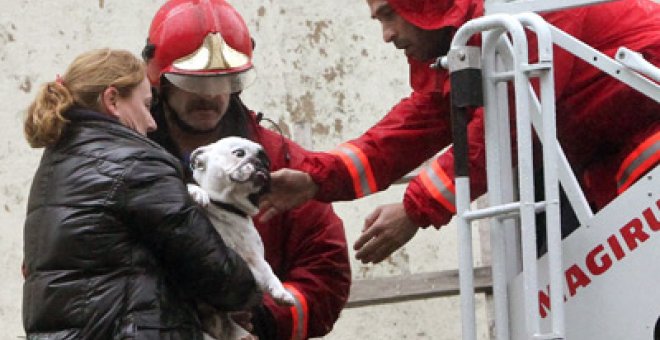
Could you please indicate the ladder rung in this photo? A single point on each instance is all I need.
(504, 210)
(548, 336)
(535, 70)
(501, 76)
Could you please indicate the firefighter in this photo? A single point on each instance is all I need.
(609, 132)
(199, 59)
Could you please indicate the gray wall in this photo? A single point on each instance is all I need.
(324, 75)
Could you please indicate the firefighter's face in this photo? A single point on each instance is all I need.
(201, 112)
(417, 43)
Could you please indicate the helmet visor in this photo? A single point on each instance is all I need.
(212, 85)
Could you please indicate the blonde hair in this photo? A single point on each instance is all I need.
(82, 85)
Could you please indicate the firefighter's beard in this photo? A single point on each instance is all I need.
(198, 116)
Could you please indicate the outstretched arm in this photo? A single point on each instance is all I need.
(414, 130)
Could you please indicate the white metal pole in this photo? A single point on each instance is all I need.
(467, 292)
(551, 183)
(538, 6)
(495, 167)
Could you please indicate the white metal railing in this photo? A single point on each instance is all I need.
(499, 168)
(537, 6)
(505, 60)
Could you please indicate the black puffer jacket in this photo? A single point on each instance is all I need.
(114, 246)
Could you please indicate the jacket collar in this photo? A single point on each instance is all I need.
(81, 114)
(78, 114)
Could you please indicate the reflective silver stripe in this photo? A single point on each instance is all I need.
(442, 188)
(364, 183)
(648, 153)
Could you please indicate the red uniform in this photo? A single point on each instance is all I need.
(306, 246)
(609, 132)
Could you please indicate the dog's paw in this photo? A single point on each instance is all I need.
(199, 195)
(283, 298)
(208, 337)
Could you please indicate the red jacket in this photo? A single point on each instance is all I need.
(306, 247)
(609, 132)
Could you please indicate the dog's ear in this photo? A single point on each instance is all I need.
(196, 162)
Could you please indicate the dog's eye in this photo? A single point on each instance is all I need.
(197, 164)
(240, 153)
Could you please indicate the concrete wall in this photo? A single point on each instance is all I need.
(324, 75)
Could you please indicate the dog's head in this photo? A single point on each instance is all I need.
(233, 171)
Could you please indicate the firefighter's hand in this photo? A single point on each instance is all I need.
(385, 230)
(288, 189)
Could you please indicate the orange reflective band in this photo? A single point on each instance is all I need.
(357, 163)
(436, 181)
(299, 314)
(351, 170)
(642, 159)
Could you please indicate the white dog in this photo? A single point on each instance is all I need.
(231, 174)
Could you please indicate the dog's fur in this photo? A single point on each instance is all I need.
(231, 174)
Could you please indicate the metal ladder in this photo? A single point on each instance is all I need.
(474, 70)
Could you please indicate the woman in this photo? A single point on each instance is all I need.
(114, 247)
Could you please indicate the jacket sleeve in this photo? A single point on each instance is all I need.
(413, 131)
(430, 197)
(316, 270)
(155, 200)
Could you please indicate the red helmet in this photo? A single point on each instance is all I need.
(435, 14)
(201, 46)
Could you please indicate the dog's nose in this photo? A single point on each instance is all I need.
(260, 178)
(261, 174)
